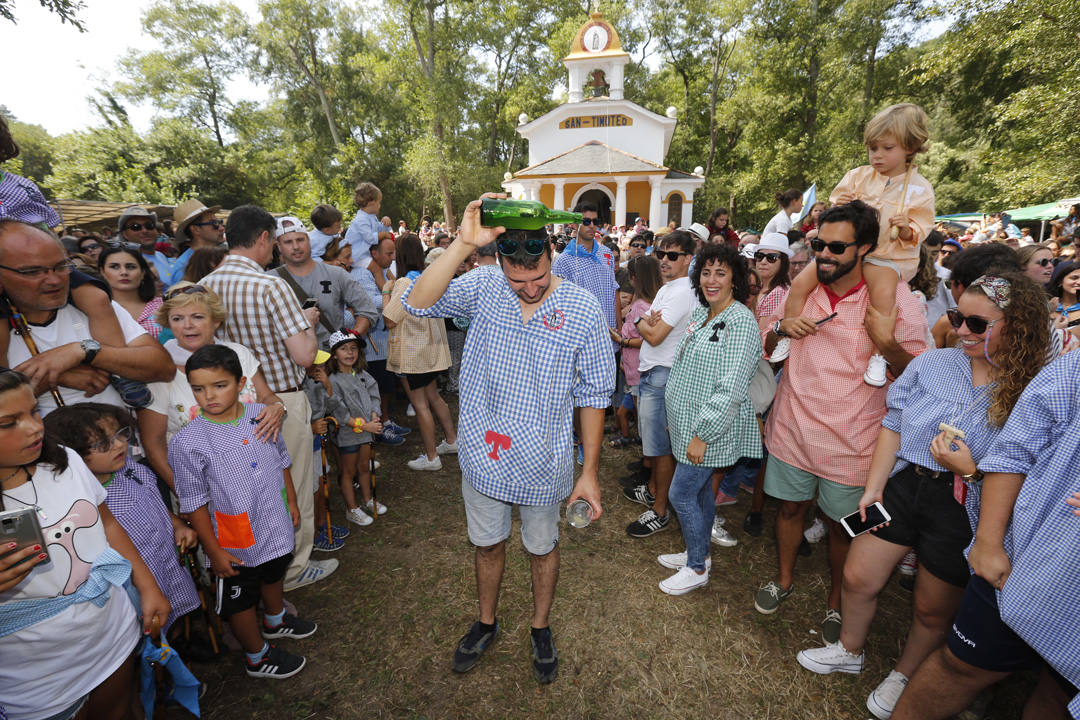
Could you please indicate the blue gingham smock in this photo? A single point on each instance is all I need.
(241, 479)
(936, 387)
(593, 271)
(520, 382)
(1041, 440)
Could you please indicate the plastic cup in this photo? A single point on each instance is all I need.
(579, 513)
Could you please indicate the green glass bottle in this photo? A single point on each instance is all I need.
(522, 214)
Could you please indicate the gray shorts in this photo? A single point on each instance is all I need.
(489, 521)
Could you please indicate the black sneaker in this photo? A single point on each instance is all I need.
(472, 646)
(635, 479)
(545, 656)
(639, 494)
(276, 664)
(290, 627)
(648, 523)
(752, 524)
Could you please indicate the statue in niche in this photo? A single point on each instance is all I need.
(599, 84)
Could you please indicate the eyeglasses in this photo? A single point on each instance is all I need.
(590, 221)
(638, 245)
(975, 324)
(35, 272)
(1043, 262)
(768, 257)
(123, 434)
(121, 245)
(836, 248)
(668, 254)
(137, 227)
(186, 290)
(215, 223)
(532, 245)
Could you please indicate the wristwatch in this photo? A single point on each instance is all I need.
(776, 329)
(91, 348)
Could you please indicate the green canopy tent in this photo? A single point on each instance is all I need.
(1032, 213)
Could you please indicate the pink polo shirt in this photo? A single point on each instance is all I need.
(825, 419)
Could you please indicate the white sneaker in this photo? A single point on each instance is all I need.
(313, 572)
(358, 517)
(411, 412)
(781, 351)
(830, 659)
(885, 696)
(875, 371)
(424, 463)
(382, 508)
(720, 536)
(375, 464)
(684, 581)
(446, 448)
(816, 532)
(677, 561)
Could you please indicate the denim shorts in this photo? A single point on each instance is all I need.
(652, 414)
(488, 520)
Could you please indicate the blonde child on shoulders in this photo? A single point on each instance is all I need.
(904, 200)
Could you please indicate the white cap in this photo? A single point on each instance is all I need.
(288, 224)
(699, 231)
(770, 241)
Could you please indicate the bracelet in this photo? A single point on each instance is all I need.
(973, 477)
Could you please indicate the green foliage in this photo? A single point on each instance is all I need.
(422, 97)
(66, 10)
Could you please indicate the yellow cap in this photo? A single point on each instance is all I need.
(321, 356)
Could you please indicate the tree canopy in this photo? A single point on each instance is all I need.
(422, 97)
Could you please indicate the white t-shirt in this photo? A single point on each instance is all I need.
(55, 662)
(675, 301)
(780, 223)
(175, 400)
(71, 325)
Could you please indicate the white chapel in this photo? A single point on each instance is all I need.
(601, 147)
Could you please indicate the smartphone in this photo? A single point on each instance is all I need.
(1073, 322)
(310, 303)
(21, 527)
(876, 516)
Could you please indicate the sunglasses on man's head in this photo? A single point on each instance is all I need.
(975, 324)
(668, 254)
(138, 227)
(768, 257)
(532, 246)
(836, 248)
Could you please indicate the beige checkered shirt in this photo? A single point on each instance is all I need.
(262, 311)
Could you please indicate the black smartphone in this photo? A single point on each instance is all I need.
(876, 516)
(21, 527)
(310, 303)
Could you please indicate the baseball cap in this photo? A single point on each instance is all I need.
(288, 224)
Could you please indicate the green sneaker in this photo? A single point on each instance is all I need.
(769, 596)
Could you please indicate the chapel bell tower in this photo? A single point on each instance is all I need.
(596, 47)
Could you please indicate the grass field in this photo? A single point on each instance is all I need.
(390, 617)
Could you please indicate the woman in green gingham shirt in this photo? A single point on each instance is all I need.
(710, 417)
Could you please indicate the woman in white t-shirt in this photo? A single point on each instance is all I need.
(790, 202)
(194, 313)
(68, 630)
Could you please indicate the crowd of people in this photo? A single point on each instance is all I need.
(173, 385)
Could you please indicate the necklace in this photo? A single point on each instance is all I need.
(30, 479)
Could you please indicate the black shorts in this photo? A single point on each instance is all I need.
(981, 638)
(385, 379)
(420, 380)
(244, 590)
(926, 516)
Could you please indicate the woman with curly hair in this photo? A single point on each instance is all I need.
(945, 411)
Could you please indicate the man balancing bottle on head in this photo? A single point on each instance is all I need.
(537, 348)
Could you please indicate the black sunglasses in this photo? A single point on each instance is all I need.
(509, 246)
(590, 221)
(137, 227)
(215, 223)
(975, 324)
(1044, 262)
(121, 245)
(668, 254)
(769, 257)
(638, 245)
(836, 248)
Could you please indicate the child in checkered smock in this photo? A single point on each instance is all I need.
(357, 414)
(100, 434)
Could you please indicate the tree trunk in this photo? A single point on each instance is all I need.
(494, 134)
(714, 91)
(211, 102)
(868, 87)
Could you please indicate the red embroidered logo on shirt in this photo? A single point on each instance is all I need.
(497, 442)
(555, 320)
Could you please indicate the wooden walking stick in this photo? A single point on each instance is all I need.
(208, 614)
(895, 232)
(19, 325)
(374, 500)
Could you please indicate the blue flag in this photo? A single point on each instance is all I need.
(808, 199)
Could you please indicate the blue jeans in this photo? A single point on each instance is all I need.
(652, 412)
(692, 497)
(744, 471)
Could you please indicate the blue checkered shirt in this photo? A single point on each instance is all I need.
(363, 232)
(240, 477)
(521, 381)
(1041, 440)
(595, 272)
(936, 387)
(136, 504)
